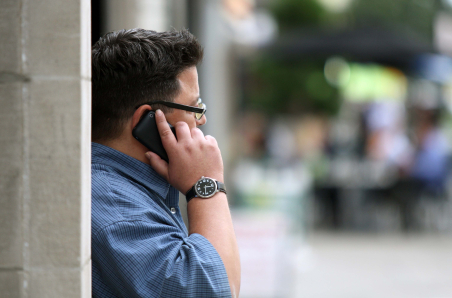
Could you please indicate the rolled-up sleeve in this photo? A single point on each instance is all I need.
(137, 258)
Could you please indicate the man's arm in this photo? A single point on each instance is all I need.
(191, 156)
(211, 218)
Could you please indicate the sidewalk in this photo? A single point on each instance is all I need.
(374, 266)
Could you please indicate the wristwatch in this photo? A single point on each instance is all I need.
(205, 188)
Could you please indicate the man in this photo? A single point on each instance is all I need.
(140, 246)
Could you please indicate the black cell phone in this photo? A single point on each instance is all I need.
(147, 133)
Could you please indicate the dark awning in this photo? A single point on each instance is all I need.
(389, 47)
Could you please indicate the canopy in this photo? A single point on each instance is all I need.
(389, 47)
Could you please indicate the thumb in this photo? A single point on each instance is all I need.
(158, 164)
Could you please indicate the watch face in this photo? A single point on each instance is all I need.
(205, 187)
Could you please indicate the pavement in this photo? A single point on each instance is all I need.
(341, 265)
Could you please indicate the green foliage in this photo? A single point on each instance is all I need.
(297, 13)
(415, 15)
(284, 87)
(278, 86)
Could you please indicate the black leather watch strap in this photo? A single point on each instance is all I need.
(221, 186)
(192, 193)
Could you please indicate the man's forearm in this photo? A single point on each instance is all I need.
(193, 155)
(211, 218)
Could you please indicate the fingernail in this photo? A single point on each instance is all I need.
(148, 155)
(159, 112)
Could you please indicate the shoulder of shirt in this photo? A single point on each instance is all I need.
(114, 199)
(102, 229)
(103, 176)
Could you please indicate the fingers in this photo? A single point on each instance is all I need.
(197, 134)
(198, 137)
(158, 164)
(165, 132)
(182, 131)
(211, 139)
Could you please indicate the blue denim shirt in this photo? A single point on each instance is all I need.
(140, 245)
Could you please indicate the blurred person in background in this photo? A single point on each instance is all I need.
(431, 162)
(140, 245)
(426, 173)
(387, 140)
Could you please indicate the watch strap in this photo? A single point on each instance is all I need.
(220, 186)
(192, 193)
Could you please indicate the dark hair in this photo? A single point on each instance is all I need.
(131, 67)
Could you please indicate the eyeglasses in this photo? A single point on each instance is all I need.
(199, 111)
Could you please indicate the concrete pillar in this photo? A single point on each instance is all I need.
(128, 14)
(45, 127)
(215, 74)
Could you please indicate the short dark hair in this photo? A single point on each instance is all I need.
(131, 67)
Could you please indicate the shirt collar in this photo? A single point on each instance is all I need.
(130, 167)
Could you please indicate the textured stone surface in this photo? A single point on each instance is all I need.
(55, 283)
(55, 172)
(11, 122)
(11, 284)
(10, 41)
(53, 42)
(86, 168)
(11, 181)
(85, 50)
(54, 118)
(45, 101)
(86, 280)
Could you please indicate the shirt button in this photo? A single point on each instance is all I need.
(173, 210)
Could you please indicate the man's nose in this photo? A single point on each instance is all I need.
(201, 121)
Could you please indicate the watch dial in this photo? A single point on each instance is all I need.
(205, 187)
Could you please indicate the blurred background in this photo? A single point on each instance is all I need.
(334, 120)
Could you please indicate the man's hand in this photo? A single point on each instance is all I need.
(191, 155)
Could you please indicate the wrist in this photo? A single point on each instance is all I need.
(205, 188)
(218, 195)
(194, 179)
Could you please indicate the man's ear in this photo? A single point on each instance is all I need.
(139, 113)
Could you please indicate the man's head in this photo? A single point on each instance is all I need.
(132, 67)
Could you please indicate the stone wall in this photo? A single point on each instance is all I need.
(45, 190)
